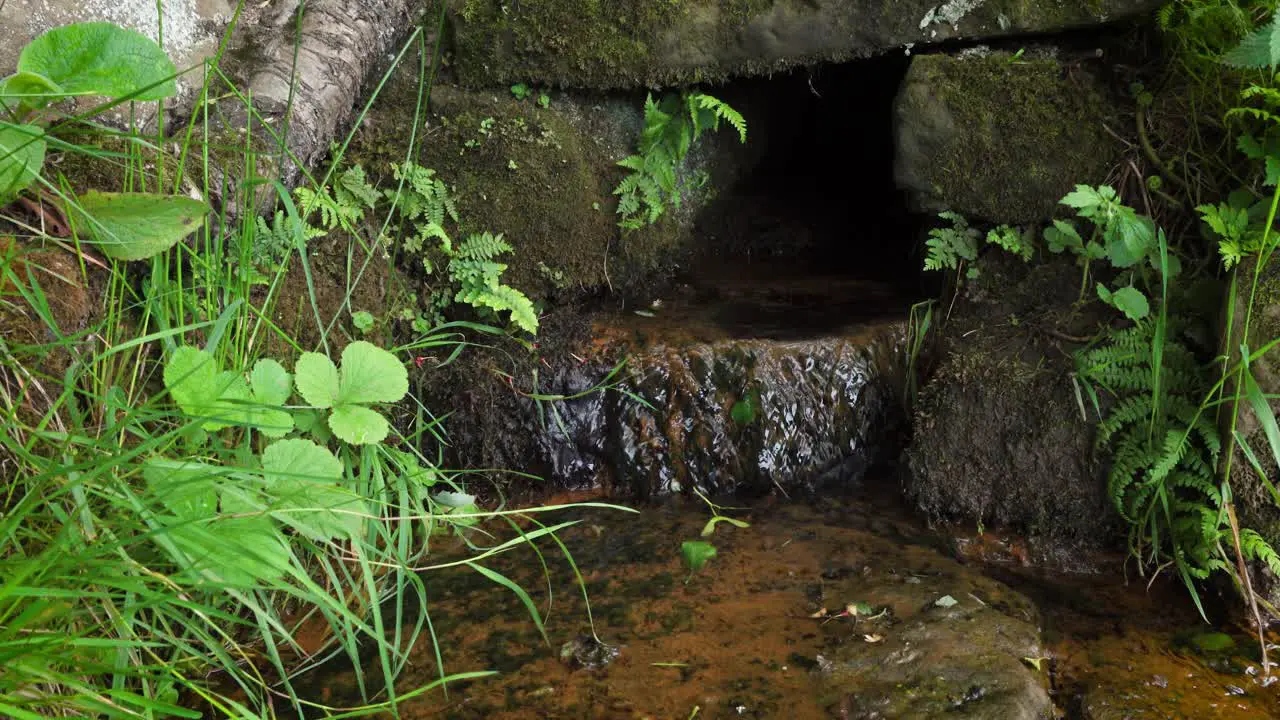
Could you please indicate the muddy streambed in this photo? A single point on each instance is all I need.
(845, 608)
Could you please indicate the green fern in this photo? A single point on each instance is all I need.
(345, 205)
(949, 247)
(671, 127)
(479, 280)
(422, 195)
(1256, 548)
(1163, 450)
(274, 240)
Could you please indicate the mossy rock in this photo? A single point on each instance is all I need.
(1257, 507)
(997, 435)
(639, 43)
(544, 178)
(998, 139)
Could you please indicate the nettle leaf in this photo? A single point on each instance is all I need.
(1260, 49)
(371, 374)
(1063, 236)
(358, 425)
(21, 158)
(100, 58)
(135, 226)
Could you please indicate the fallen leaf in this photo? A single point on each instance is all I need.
(873, 638)
(946, 601)
(822, 612)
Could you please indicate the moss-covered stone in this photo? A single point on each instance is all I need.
(998, 436)
(543, 177)
(1255, 503)
(633, 43)
(996, 139)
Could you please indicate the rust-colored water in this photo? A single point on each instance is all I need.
(737, 639)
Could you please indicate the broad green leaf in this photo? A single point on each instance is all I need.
(317, 380)
(288, 462)
(29, 90)
(271, 383)
(696, 553)
(358, 425)
(321, 511)
(100, 58)
(371, 374)
(1063, 236)
(241, 552)
(135, 226)
(1130, 301)
(1129, 241)
(21, 158)
(187, 489)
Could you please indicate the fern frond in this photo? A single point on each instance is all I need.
(482, 246)
(353, 189)
(1256, 547)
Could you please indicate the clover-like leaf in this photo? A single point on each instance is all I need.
(371, 374)
(135, 226)
(358, 425)
(270, 385)
(317, 380)
(101, 58)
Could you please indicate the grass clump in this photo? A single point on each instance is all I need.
(197, 507)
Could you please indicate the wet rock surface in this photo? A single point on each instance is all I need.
(766, 385)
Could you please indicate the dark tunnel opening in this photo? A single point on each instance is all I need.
(816, 234)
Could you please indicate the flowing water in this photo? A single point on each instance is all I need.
(835, 602)
(844, 608)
